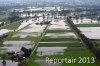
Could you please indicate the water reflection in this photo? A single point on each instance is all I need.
(16, 45)
(42, 51)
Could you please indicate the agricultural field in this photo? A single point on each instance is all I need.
(65, 39)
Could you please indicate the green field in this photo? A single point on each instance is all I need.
(72, 44)
(3, 16)
(88, 25)
(11, 26)
(58, 31)
(48, 39)
(28, 38)
(69, 54)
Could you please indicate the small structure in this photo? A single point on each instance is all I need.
(4, 63)
(2, 37)
(18, 56)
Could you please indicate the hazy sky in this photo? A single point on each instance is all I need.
(44, 0)
(76, 1)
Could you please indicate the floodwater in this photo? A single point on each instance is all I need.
(56, 35)
(24, 24)
(29, 29)
(4, 31)
(85, 21)
(15, 45)
(91, 32)
(42, 51)
(9, 63)
(24, 35)
(60, 24)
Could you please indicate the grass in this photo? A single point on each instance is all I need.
(10, 38)
(30, 63)
(48, 39)
(88, 25)
(6, 56)
(2, 45)
(75, 54)
(74, 44)
(11, 26)
(21, 39)
(3, 16)
(58, 31)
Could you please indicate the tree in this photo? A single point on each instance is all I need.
(43, 17)
(13, 17)
(98, 19)
(77, 17)
(48, 15)
(91, 19)
(36, 17)
(60, 15)
(2, 24)
(28, 13)
(65, 12)
(1, 40)
(81, 17)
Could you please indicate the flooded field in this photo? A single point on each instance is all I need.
(91, 32)
(44, 51)
(16, 45)
(25, 34)
(84, 21)
(56, 35)
(3, 31)
(60, 24)
(29, 29)
(9, 63)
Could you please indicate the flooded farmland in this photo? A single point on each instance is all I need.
(16, 45)
(44, 33)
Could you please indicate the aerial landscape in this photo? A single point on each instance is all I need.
(49, 32)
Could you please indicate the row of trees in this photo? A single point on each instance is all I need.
(91, 17)
(46, 15)
(14, 16)
(9, 18)
(2, 23)
(64, 13)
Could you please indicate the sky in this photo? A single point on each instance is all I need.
(67, 1)
(46, 0)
